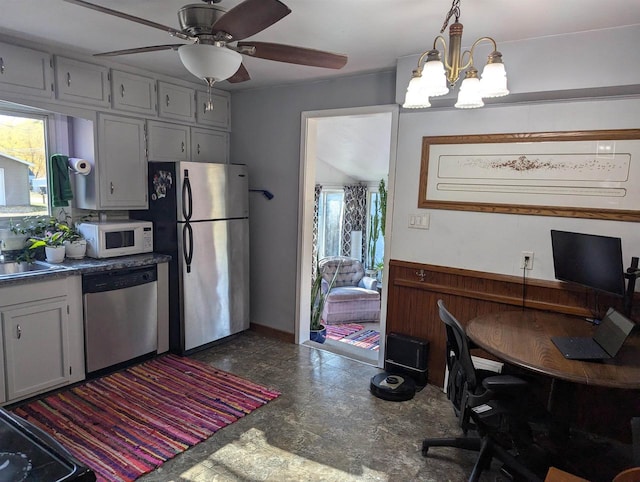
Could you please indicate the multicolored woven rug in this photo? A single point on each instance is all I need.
(355, 335)
(128, 423)
(337, 332)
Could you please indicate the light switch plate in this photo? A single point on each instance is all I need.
(419, 221)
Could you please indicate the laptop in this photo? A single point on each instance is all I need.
(605, 343)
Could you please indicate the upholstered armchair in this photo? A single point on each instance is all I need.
(353, 296)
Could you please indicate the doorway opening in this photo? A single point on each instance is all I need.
(346, 178)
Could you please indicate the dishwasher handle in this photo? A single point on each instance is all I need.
(118, 279)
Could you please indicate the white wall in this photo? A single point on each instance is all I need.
(487, 241)
(266, 137)
(330, 176)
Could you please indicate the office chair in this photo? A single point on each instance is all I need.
(498, 407)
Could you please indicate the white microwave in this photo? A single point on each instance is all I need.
(117, 238)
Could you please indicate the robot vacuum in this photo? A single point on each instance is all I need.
(395, 388)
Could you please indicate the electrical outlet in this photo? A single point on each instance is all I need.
(526, 260)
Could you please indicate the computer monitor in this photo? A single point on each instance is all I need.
(589, 260)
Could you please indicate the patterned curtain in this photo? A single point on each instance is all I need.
(355, 217)
(314, 248)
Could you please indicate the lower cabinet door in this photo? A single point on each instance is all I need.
(36, 347)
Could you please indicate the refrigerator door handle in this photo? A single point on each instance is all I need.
(187, 245)
(187, 197)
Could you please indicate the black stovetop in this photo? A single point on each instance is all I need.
(29, 454)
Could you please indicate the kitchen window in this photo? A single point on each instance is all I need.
(23, 164)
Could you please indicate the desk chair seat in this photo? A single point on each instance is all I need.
(499, 408)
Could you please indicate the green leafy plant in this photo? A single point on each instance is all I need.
(318, 297)
(382, 193)
(377, 225)
(43, 231)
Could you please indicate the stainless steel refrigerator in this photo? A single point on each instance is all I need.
(200, 214)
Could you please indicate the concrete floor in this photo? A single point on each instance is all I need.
(326, 425)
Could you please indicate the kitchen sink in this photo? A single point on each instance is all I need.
(14, 268)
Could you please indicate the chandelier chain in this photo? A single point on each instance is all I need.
(455, 10)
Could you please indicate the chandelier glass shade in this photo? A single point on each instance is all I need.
(433, 77)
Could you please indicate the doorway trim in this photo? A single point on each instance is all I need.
(308, 147)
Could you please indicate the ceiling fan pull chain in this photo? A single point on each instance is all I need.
(209, 105)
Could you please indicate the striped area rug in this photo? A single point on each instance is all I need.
(367, 339)
(337, 332)
(128, 423)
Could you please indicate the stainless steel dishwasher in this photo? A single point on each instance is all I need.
(120, 316)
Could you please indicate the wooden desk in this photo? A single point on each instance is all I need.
(523, 339)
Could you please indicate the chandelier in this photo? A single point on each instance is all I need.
(430, 78)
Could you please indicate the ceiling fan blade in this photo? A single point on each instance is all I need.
(241, 75)
(138, 50)
(143, 21)
(295, 55)
(250, 17)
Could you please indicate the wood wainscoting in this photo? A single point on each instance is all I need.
(414, 289)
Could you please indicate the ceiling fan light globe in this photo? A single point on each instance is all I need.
(202, 60)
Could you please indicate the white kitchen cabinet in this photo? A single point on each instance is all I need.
(116, 150)
(168, 142)
(82, 82)
(220, 116)
(121, 163)
(36, 347)
(42, 336)
(25, 71)
(133, 93)
(176, 102)
(208, 145)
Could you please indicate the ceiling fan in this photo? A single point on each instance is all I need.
(211, 31)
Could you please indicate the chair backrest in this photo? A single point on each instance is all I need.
(459, 362)
(350, 270)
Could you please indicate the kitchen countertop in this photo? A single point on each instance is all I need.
(76, 267)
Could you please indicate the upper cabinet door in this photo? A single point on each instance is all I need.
(208, 145)
(220, 116)
(168, 142)
(25, 71)
(176, 102)
(122, 163)
(133, 93)
(82, 82)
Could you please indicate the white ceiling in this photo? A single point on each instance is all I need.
(356, 145)
(373, 33)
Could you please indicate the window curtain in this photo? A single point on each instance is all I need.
(355, 217)
(316, 209)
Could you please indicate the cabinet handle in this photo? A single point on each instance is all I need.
(198, 148)
(111, 187)
(121, 90)
(182, 146)
(18, 331)
(167, 100)
(68, 79)
(1, 65)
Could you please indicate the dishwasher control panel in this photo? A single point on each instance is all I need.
(118, 279)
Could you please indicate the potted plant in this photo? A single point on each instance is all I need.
(53, 242)
(317, 331)
(75, 245)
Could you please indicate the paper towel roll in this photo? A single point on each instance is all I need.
(79, 166)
